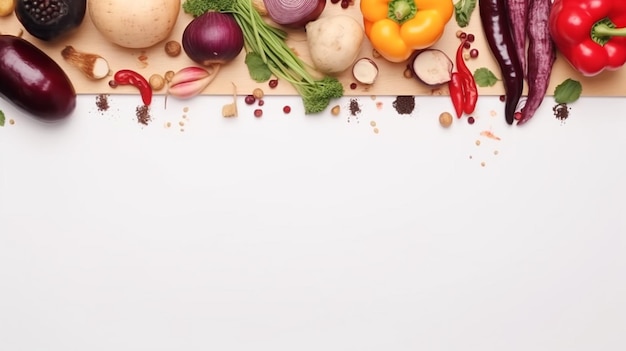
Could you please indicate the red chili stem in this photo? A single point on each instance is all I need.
(130, 77)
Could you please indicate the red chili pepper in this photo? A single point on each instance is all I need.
(457, 93)
(129, 77)
(471, 90)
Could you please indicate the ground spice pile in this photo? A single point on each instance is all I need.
(561, 111)
(354, 107)
(143, 114)
(102, 102)
(404, 105)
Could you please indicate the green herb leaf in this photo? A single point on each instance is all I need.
(259, 71)
(568, 91)
(2, 118)
(484, 77)
(463, 11)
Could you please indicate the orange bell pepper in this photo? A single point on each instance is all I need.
(396, 28)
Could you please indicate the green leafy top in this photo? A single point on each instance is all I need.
(2, 118)
(484, 77)
(199, 7)
(463, 11)
(568, 91)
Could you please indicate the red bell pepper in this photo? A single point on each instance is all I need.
(590, 34)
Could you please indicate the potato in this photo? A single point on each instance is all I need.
(134, 24)
(334, 42)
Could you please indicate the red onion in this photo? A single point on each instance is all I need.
(294, 13)
(213, 37)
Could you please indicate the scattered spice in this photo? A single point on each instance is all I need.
(561, 111)
(355, 107)
(143, 59)
(477, 142)
(489, 134)
(483, 164)
(143, 114)
(373, 123)
(335, 110)
(376, 131)
(408, 73)
(496, 152)
(11, 121)
(404, 104)
(379, 105)
(102, 102)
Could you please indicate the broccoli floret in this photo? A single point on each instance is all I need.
(316, 96)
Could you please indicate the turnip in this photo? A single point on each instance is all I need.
(432, 67)
(134, 24)
(334, 42)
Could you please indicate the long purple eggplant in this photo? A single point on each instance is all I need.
(518, 13)
(33, 81)
(496, 25)
(541, 57)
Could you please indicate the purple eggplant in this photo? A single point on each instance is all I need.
(496, 25)
(541, 56)
(518, 13)
(33, 81)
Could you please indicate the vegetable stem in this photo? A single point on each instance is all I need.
(604, 29)
(401, 10)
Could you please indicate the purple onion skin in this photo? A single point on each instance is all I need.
(300, 21)
(213, 37)
(33, 81)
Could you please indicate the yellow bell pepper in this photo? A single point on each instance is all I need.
(396, 28)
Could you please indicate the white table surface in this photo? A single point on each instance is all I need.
(293, 232)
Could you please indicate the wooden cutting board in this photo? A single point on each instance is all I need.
(390, 81)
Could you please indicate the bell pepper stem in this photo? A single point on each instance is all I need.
(401, 11)
(604, 29)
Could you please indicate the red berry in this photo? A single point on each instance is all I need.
(258, 113)
(517, 116)
(467, 44)
(471, 38)
(249, 99)
(353, 86)
(345, 4)
(273, 83)
(474, 53)
(261, 102)
(502, 98)
(286, 109)
(470, 120)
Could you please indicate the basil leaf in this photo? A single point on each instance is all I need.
(2, 118)
(484, 77)
(259, 71)
(568, 91)
(463, 11)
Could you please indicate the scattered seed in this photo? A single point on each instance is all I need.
(445, 119)
(273, 83)
(335, 110)
(482, 164)
(172, 48)
(11, 121)
(495, 152)
(258, 93)
(477, 142)
(408, 73)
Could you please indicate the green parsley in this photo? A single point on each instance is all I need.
(568, 91)
(2, 118)
(484, 77)
(463, 12)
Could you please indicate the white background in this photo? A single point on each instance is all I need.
(293, 232)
